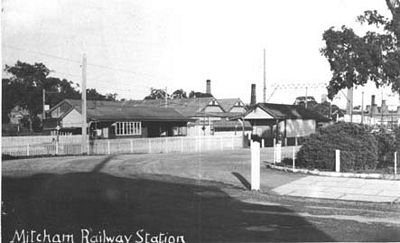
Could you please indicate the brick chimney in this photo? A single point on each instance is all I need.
(208, 86)
(384, 107)
(374, 108)
(253, 99)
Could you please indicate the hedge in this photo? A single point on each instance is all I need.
(359, 148)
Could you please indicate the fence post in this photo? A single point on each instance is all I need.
(395, 163)
(279, 152)
(255, 165)
(262, 143)
(274, 147)
(285, 141)
(131, 141)
(27, 150)
(108, 147)
(295, 141)
(56, 147)
(181, 144)
(294, 158)
(337, 161)
(149, 145)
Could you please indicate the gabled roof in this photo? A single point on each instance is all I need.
(282, 111)
(114, 110)
(190, 107)
(229, 103)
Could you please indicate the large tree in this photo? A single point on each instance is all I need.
(24, 88)
(373, 57)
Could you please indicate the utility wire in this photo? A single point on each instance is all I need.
(76, 61)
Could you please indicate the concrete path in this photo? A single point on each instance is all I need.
(354, 189)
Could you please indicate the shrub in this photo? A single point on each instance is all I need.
(386, 148)
(358, 148)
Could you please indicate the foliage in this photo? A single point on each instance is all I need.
(386, 147)
(358, 148)
(179, 94)
(355, 60)
(24, 88)
(156, 94)
(194, 94)
(327, 110)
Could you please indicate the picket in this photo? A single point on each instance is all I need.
(128, 145)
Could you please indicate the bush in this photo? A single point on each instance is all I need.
(386, 148)
(358, 148)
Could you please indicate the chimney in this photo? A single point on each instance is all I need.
(253, 100)
(324, 98)
(384, 108)
(208, 87)
(372, 105)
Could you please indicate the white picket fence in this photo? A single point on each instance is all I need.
(135, 145)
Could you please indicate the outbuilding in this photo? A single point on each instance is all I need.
(282, 121)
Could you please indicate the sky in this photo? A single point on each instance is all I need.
(132, 46)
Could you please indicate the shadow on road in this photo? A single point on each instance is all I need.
(96, 201)
(242, 180)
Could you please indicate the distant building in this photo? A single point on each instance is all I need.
(281, 121)
(301, 100)
(375, 115)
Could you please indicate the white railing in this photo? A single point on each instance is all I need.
(134, 145)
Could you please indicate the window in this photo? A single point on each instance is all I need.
(128, 128)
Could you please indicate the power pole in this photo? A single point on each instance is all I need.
(362, 107)
(44, 104)
(265, 83)
(84, 115)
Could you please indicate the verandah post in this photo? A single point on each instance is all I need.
(294, 158)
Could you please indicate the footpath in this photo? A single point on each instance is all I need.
(338, 188)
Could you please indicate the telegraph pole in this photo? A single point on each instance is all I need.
(362, 107)
(84, 115)
(44, 104)
(265, 82)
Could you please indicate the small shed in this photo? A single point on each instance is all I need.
(283, 121)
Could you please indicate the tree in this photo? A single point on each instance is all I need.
(179, 94)
(356, 60)
(156, 94)
(194, 94)
(25, 85)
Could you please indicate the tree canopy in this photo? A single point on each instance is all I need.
(24, 86)
(374, 57)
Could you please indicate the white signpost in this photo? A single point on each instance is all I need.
(337, 160)
(255, 165)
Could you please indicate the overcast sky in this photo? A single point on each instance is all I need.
(134, 45)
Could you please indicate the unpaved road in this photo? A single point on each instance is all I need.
(202, 197)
